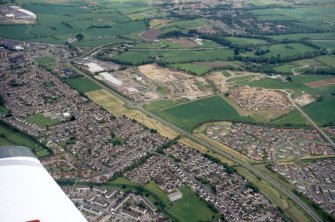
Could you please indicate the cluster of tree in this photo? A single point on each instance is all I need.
(320, 71)
(99, 27)
(228, 168)
(79, 36)
(32, 138)
(260, 52)
(278, 59)
(166, 145)
(252, 186)
(207, 183)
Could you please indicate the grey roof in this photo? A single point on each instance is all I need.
(15, 151)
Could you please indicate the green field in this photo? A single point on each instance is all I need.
(10, 136)
(322, 112)
(176, 45)
(180, 210)
(3, 110)
(241, 80)
(58, 22)
(190, 115)
(45, 60)
(314, 64)
(327, 44)
(191, 68)
(269, 83)
(313, 36)
(191, 208)
(283, 50)
(137, 57)
(246, 41)
(313, 17)
(310, 78)
(160, 104)
(327, 60)
(82, 84)
(42, 121)
(294, 118)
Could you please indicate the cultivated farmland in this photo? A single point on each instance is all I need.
(191, 114)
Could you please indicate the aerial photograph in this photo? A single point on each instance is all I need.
(167, 110)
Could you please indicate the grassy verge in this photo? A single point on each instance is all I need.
(117, 107)
(12, 136)
(42, 121)
(82, 84)
(281, 201)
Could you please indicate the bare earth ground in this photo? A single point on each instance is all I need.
(150, 34)
(255, 99)
(161, 75)
(184, 42)
(178, 83)
(304, 99)
(324, 82)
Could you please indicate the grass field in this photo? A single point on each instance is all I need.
(241, 80)
(327, 60)
(191, 68)
(190, 208)
(181, 210)
(327, 44)
(318, 36)
(58, 22)
(294, 118)
(310, 78)
(269, 83)
(9, 136)
(191, 114)
(41, 120)
(45, 60)
(160, 104)
(3, 110)
(201, 68)
(137, 57)
(82, 84)
(286, 68)
(314, 17)
(284, 50)
(246, 41)
(322, 112)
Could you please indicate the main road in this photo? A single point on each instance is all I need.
(209, 146)
(297, 107)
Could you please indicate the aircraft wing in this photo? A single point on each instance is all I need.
(28, 193)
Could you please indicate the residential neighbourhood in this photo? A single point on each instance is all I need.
(314, 179)
(265, 143)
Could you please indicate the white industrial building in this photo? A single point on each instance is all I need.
(110, 78)
(93, 68)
